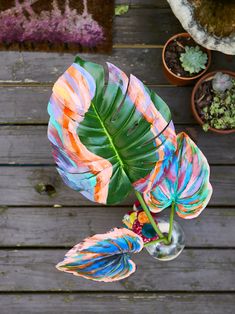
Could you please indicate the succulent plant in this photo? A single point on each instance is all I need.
(222, 82)
(193, 60)
(221, 112)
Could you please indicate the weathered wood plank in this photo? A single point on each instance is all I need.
(29, 104)
(146, 26)
(117, 303)
(60, 227)
(29, 145)
(17, 187)
(24, 104)
(46, 67)
(207, 270)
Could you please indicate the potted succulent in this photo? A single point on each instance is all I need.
(213, 102)
(108, 142)
(183, 60)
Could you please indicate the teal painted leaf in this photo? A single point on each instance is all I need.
(107, 140)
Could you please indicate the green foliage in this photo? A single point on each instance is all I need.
(206, 127)
(115, 129)
(221, 113)
(121, 9)
(222, 82)
(193, 60)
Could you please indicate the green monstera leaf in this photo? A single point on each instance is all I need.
(108, 140)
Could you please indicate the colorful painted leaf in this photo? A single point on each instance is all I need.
(186, 182)
(108, 140)
(103, 257)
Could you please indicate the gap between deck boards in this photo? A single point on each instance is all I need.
(67, 247)
(117, 292)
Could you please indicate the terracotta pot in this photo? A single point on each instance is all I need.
(179, 80)
(194, 109)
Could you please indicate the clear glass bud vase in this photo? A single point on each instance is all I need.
(167, 252)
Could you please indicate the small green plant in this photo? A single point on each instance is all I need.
(121, 9)
(220, 114)
(193, 60)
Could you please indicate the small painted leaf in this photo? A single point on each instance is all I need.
(108, 140)
(103, 257)
(186, 182)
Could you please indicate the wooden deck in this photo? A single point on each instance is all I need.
(34, 235)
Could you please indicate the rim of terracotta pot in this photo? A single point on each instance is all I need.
(184, 77)
(193, 106)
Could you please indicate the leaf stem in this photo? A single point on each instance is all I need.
(179, 44)
(150, 217)
(154, 242)
(171, 222)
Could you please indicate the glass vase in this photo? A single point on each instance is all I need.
(167, 252)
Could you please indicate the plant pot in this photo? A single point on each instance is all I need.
(163, 252)
(180, 80)
(193, 105)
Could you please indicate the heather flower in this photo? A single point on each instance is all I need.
(22, 24)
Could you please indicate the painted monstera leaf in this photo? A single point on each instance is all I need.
(186, 182)
(107, 140)
(103, 257)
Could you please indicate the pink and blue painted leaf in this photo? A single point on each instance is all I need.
(186, 182)
(103, 257)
